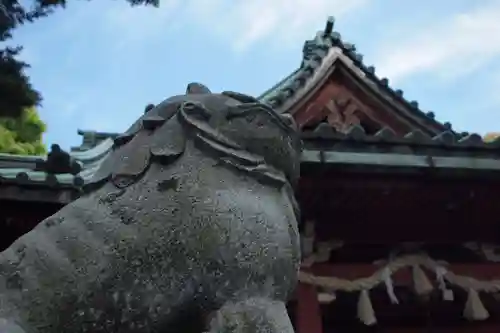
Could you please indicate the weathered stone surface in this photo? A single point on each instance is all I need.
(190, 217)
(251, 315)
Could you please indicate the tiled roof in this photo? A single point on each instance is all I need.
(91, 139)
(38, 170)
(416, 142)
(446, 154)
(320, 55)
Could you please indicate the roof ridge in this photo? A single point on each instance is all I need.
(314, 52)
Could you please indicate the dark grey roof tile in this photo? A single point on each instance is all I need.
(356, 132)
(288, 92)
(446, 138)
(385, 134)
(471, 140)
(324, 130)
(22, 177)
(417, 136)
(51, 180)
(78, 181)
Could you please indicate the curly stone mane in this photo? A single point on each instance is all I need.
(237, 129)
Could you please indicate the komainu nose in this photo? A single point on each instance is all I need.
(288, 119)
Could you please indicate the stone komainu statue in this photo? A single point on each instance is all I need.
(190, 219)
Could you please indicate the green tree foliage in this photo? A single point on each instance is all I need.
(489, 137)
(16, 92)
(22, 135)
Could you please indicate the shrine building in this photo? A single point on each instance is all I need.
(398, 230)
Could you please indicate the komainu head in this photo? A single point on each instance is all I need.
(237, 129)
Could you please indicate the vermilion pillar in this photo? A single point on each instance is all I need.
(308, 316)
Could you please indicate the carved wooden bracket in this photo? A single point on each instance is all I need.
(335, 104)
(342, 113)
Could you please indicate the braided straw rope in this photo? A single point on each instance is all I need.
(367, 283)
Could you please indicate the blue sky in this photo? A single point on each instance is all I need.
(99, 63)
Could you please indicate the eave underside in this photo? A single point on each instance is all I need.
(386, 208)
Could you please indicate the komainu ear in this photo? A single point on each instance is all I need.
(197, 88)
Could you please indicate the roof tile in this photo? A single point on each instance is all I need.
(385, 134)
(416, 142)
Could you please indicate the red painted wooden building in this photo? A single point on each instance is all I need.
(398, 231)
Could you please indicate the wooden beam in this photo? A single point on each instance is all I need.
(400, 160)
(308, 318)
(37, 194)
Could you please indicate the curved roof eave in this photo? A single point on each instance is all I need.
(23, 169)
(93, 154)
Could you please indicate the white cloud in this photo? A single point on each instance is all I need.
(492, 92)
(244, 23)
(137, 23)
(455, 46)
(241, 23)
